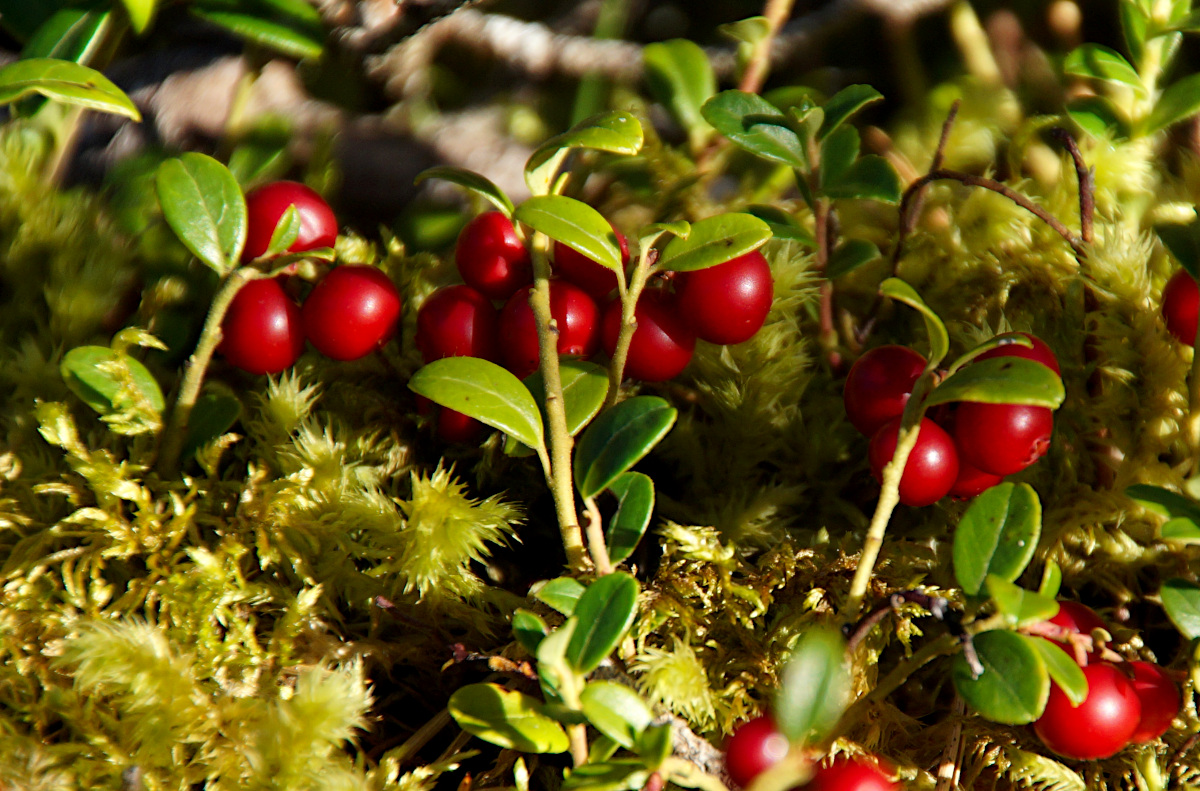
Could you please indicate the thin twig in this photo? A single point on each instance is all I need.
(908, 217)
(1087, 183)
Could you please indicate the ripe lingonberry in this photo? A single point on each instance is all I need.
(1002, 438)
(571, 308)
(491, 257)
(729, 302)
(932, 466)
(1159, 698)
(265, 207)
(592, 276)
(1039, 352)
(1181, 305)
(1077, 618)
(662, 344)
(452, 426)
(972, 481)
(261, 332)
(754, 747)
(351, 312)
(879, 384)
(1101, 725)
(846, 774)
(457, 321)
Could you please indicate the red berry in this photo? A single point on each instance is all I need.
(972, 481)
(455, 427)
(1078, 618)
(1002, 438)
(593, 277)
(1039, 352)
(578, 326)
(351, 312)
(1101, 725)
(932, 466)
(491, 258)
(1159, 698)
(261, 332)
(729, 302)
(265, 207)
(1180, 306)
(662, 344)
(846, 774)
(879, 384)
(457, 321)
(754, 747)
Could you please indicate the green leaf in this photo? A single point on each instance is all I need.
(1181, 600)
(1181, 530)
(74, 34)
(1101, 63)
(997, 535)
(1164, 502)
(680, 228)
(939, 339)
(554, 673)
(23, 19)
(755, 125)
(870, 178)
(1051, 579)
(616, 711)
(1184, 243)
(262, 154)
(1098, 117)
(1134, 24)
(89, 373)
(680, 76)
(471, 181)
(782, 224)
(561, 593)
(506, 718)
(635, 504)
(814, 687)
(601, 749)
(203, 204)
(140, 12)
(1017, 605)
(294, 41)
(482, 390)
(838, 152)
(605, 612)
(529, 629)
(612, 132)
(1062, 669)
(654, 744)
(845, 103)
(713, 241)
(212, 416)
(1014, 684)
(285, 233)
(66, 82)
(1002, 380)
(618, 439)
(575, 224)
(1180, 101)
(584, 388)
(619, 774)
(850, 255)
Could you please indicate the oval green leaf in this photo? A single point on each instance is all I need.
(1181, 600)
(554, 673)
(1180, 530)
(1101, 63)
(66, 82)
(140, 12)
(584, 388)
(997, 535)
(1014, 684)
(1051, 579)
(618, 439)
(869, 178)
(482, 390)
(472, 181)
(561, 593)
(939, 339)
(1002, 380)
(573, 223)
(635, 504)
(845, 103)
(654, 745)
(755, 125)
(285, 37)
(838, 152)
(285, 233)
(782, 224)
(680, 76)
(612, 132)
(212, 416)
(1180, 101)
(87, 372)
(203, 204)
(529, 629)
(506, 718)
(605, 612)
(850, 255)
(616, 711)
(814, 687)
(1062, 669)
(1164, 502)
(1017, 605)
(713, 241)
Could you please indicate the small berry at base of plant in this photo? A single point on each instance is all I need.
(1002, 438)
(879, 384)
(661, 346)
(754, 747)
(729, 302)
(1101, 725)
(846, 774)
(1159, 697)
(491, 257)
(1181, 306)
(351, 312)
(266, 205)
(931, 469)
(262, 331)
(574, 312)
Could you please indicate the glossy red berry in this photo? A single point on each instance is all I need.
(846, 774)
(578, 321)
(1101, 725)
(879, 384)
(932, 466)
(265, 207)
(662, 344)
(1039, 352)
(261, 332)
(351, 312)
(1159, 698)
(455, 427)
(594, 278)
(972, 481)
(457, 321)
(754, 747)
(491, 258)
(729, 302)
(1002, 438)
(1078, 618)
(1181, 305)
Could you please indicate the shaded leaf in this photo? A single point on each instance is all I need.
(1184, 243)
(74, 34)
(850, 255)
(472, 181)
(584, 388)
(1062, 669)
(292, 40)
(1164, 502)
(1098, 117)
(212, 416)
(1002, 380)
(939, 339)
(561, 593)
(1180, 101)
(845, 103)
(814, 686)
(754, 124)
(66, 82)
(1014, 684)
(203, 204)
(997, 535)
(616, 711)
(1181, 600)
(635, 504)
(554, 673)
(482, 390)
(870, 178)
(1051, 579)
(618, 774)
(1101, 63)
(87, 372)
(605, 612)
(782, 224)
(713, 241)
(575, 224)
(838, 153)
(529, 629)
(613, 132)
(654, 744)
(506, 718)
(618, 439)
(680, 76)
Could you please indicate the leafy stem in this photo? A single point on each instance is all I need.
(629, 298)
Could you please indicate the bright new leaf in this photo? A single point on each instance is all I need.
(506, 718)
(561, 593)
(612, 132)
(1017, 605)
(1062, 669)
(939, 339)
(92, 373)
(482, 390)
(1101, 63)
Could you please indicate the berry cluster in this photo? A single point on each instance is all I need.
(960, 451)
(727, 303)
(757, 745)
(352, 311)
(1126, 703)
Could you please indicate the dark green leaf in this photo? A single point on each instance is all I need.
(140, 12)
(782, 224)
(1062, 669)
(612, 132)
(997, 535)
(681, 78)
(1184, 243)
(66, 82)
(616, 711)
(756, 125)
(584, 388)
(292, 40)
(635, 504)
(1180, 101)
(845, 103)
(1051, 580)
(88, 372)
(850, 255)
(1164, 502)
(262, 154)
(618, 774)
(508, 719)
(75, 34)
(1101, 63)
(1181, 530)
(212, 416)
(561, 593)
(939, 339)
(482, 390)
(654, 744)
(23, 18)
(618, 439)
(1017, 605)
(605, 612)
(1002, 380)
(1014, 684)
(1181, 600)
(554, 673)
(469, 180)
(838, 152)
(713, 241)
(1134, 22)
(203, 204)
(814, 687)
(529, 629)
(1099, 117)
(870, 178)
(575, 224)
